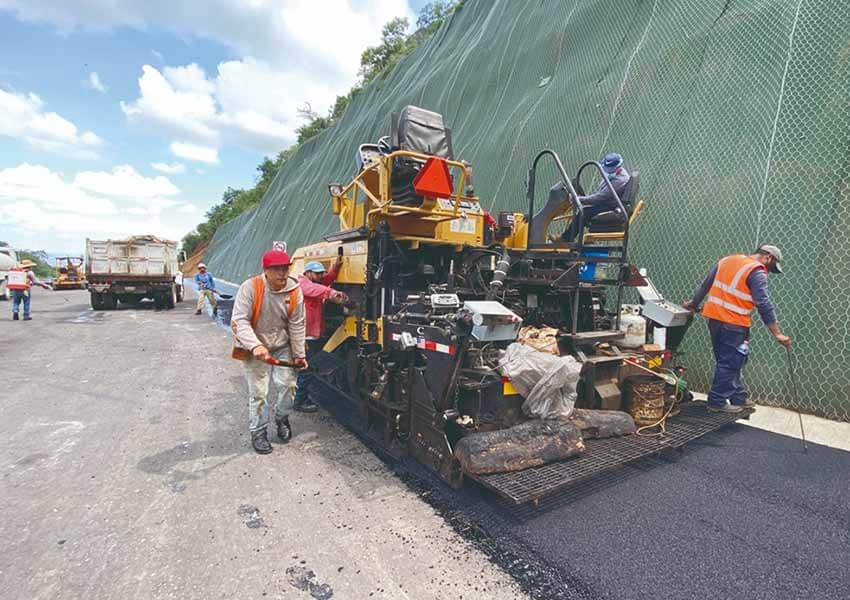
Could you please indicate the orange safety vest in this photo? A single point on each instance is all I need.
(729, 299)
(18, 279)
(259, 284)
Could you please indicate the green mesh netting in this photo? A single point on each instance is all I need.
(736, 113)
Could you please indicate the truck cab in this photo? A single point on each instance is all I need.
(8, 259)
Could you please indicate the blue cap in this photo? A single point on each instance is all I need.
(612, 162)
(314, 266)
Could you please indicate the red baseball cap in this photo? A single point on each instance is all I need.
(276, 258)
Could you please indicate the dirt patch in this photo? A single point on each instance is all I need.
(190, 267)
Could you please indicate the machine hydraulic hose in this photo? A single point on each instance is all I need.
(499, 274)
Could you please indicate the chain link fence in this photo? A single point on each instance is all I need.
(736, 113)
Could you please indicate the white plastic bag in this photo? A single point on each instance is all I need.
(547, 382)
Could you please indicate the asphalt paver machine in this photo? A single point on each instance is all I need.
(438, 288)
(69, 273)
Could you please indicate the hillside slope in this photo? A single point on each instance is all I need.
(736, 113)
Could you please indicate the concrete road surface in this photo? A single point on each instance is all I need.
(127, 473)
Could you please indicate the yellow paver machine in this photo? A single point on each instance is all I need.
(69, 273)
(439, 292)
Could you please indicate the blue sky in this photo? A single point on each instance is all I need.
(187, 99)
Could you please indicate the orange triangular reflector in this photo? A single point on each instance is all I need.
(434, 180)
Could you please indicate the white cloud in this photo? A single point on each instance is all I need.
(38, 183)
(196, 152)
(125, 182)
(169, 104)
(95, 83)
(187, 208)
(169, 169)
(247, 103)
(273, 31)
(158, 55)
(35, 201)
(22, 117)
(287, 52)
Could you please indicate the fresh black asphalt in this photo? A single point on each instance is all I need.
(739, 514)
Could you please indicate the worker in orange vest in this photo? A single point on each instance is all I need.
(20, 280)
(733, 288)
(269, 322)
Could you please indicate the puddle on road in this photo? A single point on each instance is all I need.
(89, 316)
(225, 311)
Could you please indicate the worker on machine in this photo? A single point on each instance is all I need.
(315, 285)
(20, 281)
(206, 289)
(269, 323)
(736, 285)
(603, 200)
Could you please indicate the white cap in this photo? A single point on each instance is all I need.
(202, 266)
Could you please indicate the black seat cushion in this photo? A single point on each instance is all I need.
(612, 221)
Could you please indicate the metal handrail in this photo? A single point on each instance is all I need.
(387, 206)
(530, 185)
(626, 223)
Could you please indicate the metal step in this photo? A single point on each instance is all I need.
(601, 456)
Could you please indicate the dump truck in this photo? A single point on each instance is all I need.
(69, 273)
(133, 269)
(439, 293)
(8, 260)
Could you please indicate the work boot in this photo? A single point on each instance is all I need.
(215, 311)
(15, 316)
(726, 408)
(197, 312)
(27, 318)
(308, 406)
(284, 431)
(748, 403)
(260, 442)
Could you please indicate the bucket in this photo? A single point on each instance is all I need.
(645, 397)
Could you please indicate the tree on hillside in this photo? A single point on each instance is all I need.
(394, 44)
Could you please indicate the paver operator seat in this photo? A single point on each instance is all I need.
(416, 130)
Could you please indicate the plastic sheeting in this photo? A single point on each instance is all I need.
(547, 382)
(736, 113)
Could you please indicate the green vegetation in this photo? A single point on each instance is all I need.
(43, 267)
(374, 62)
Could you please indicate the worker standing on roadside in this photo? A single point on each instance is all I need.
(21, 279)
(269, 323)
(736, 285)
(206, 289)
(315, 284)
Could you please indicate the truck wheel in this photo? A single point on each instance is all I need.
(180, 293)
(97, 301)
(171, 297)
(110, 301)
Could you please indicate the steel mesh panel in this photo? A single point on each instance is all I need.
(604, 455)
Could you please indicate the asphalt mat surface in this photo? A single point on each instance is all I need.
(740, 513)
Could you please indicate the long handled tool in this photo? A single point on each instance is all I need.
(793, 377)
(222, 296)
(276, 362)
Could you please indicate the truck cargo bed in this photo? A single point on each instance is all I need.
(602, 455)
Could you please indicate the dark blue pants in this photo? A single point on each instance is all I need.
(730, 354)
(307, 381)
(21, 297)
(592, 205)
